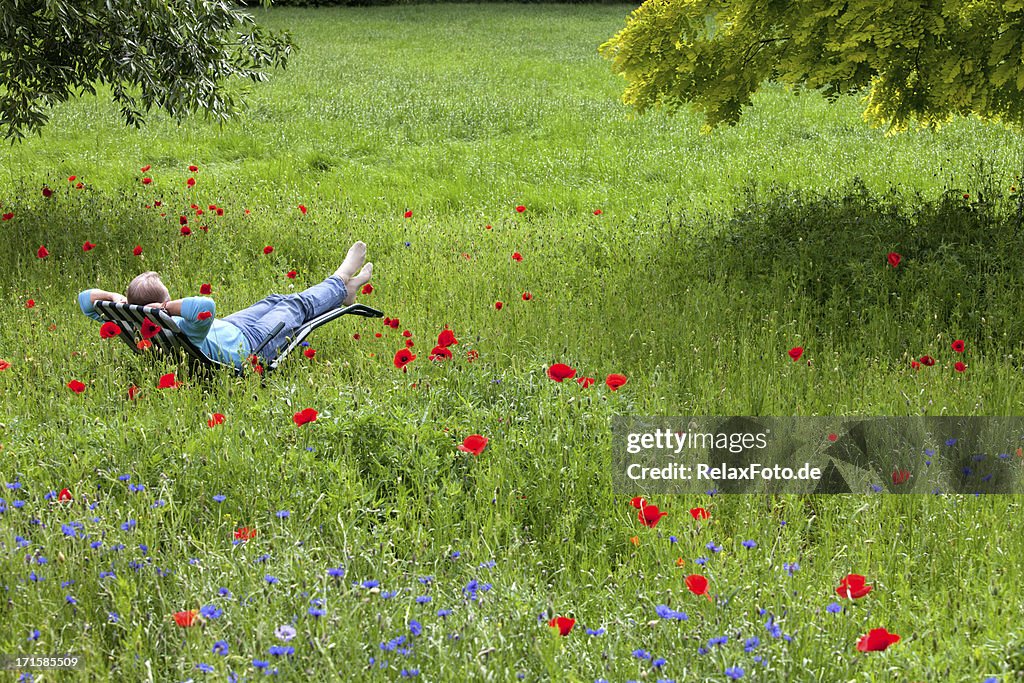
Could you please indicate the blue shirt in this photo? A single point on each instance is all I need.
(219, 340)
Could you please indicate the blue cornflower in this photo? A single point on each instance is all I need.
(659, 662)
(415, 627)
(408, 244)
(317, 612)
(260, 664)
(221, 648)
(224, 593)
(595, 631)
(271, 579)
(370, 583)
(409, 673)
(50, 495)
(210, 611)
(281, 650)
(34, 634)
(751, 643)
(124, 477)
(159, 503)
(393, 643)
(773, 628)
(425, 579)
(673, 539)
(32, 576)
(834, 608)
(489, 564)
(443, 613)
(220, 498)
(734, 672)
(17, 504)
(283, 514)
(423, 599)
(701, 561)
(791, 567)
(130, 524)
(95, 544)
(336, 572)
(749, 544)
(14, 485)
(712, 547)
(70, 600)
(205, 668)
(666, 612)
(950, 442)
(108, 575)
(262, 558)
(718, 640)
(876, 488)
(456, 554)
(67, 529)
(387, 595)
(641, 654)
(65, 584)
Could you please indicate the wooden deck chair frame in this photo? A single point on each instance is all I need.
(171, 340)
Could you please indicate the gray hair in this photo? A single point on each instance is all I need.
(147, 288)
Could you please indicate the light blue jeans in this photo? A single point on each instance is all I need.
(294, 310)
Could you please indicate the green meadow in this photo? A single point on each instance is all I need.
(690, 263)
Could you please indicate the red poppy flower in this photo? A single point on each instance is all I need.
(244, 533)
(403, 357)
(7, 216)
(585, 382)
(158, 203)
(41, 252)
(147, 181)
(76, 386)
(638, 502)
(205, 288)
(215, 420)
(563, 624)
(220, 211)
(88, 246)
(47, 192)
(650, 515)
(191, 182)
(853, 586)
(309, 353)
(900, 476)
(466, 256)
(168, 381)
(446, 338)
(394, 323)
(291, 274)
(958, 346)
(498, 305)
(193, 206)
(304, 416)
(614, 381)
(137, 251)
(65, 496)
(487, 227)
(408, 214)
(185, 619)
(367, 289)
(268, 249)
(109, 330)
(796, 352)
(145, 168)
(927, 361)
(893, 258)
(302, 208)
(560, 372)
(144, 344)
(876, 640)
(520, 208)
(697, 584)
(204, 315)
(517, 257)
(185, 230)
(440, 353)
(597, 212)
(915, 365)
(474, 443)
(356, 336)
(133, 391)
(833, 437)
(4, 365)
(72, 178)
(257, 368)
(959, 366)
(406, 333)
(193, 168)
(472, 355)
(199, 212)
(699, 513)
(378, 335)
(149, 330)
(527, 296)
(31, 303)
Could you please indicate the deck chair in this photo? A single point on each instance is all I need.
(171, 341)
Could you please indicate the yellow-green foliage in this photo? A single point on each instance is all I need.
(923, 61)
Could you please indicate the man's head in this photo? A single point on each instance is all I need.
(147, 289)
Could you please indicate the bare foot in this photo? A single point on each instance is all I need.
(352, 263)
(355, 283)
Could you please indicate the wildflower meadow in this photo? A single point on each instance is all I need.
(428, 496)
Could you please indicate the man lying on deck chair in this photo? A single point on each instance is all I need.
(231, 339)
